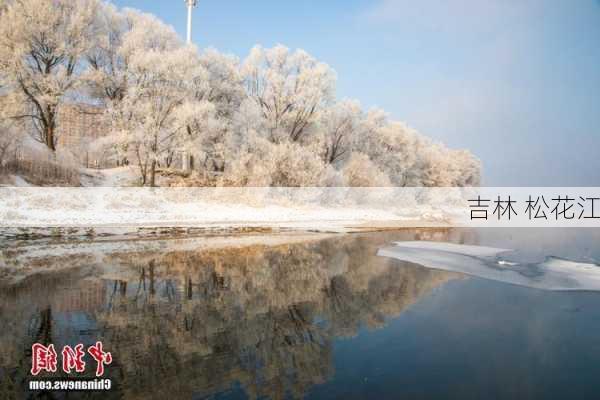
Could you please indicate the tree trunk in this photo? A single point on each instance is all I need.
(49, 136)
(49, 127)
(151, 270)
(153, 174)
(142, 166)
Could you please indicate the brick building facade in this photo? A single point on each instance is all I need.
(79, 125)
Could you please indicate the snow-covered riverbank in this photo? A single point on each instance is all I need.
(323, 209)
(319, 209)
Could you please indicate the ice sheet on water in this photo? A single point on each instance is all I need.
(464, 249)
(485, 262)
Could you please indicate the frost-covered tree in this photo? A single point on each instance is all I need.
(443, 167)
(365, 147)
(147, 120)
(148, 81)
(360, 171)
(120, 35)
(339, 129)
(204, 135)
(10, 138)
(42, 43)
(411, 159)
(288, 164)
(213, 131)
(469, 169)
(106, 79)
(225, 85)
(271, 120)
(291, 89)
(394, 148)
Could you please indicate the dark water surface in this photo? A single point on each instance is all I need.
(324, 319)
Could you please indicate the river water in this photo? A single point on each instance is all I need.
(317, 316)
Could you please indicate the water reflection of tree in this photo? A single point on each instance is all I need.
(264, 318)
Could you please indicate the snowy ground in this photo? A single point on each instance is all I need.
(323, 209)
(113, 177)
(110, 198)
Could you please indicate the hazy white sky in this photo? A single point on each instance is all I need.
(515, 81)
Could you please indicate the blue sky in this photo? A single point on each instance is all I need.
(515, 81)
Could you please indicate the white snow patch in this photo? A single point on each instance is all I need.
(112, 177)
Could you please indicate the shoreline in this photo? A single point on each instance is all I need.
(69, 234)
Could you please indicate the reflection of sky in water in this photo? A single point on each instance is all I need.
(75, 327)
(476, 339)
(327, 319)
